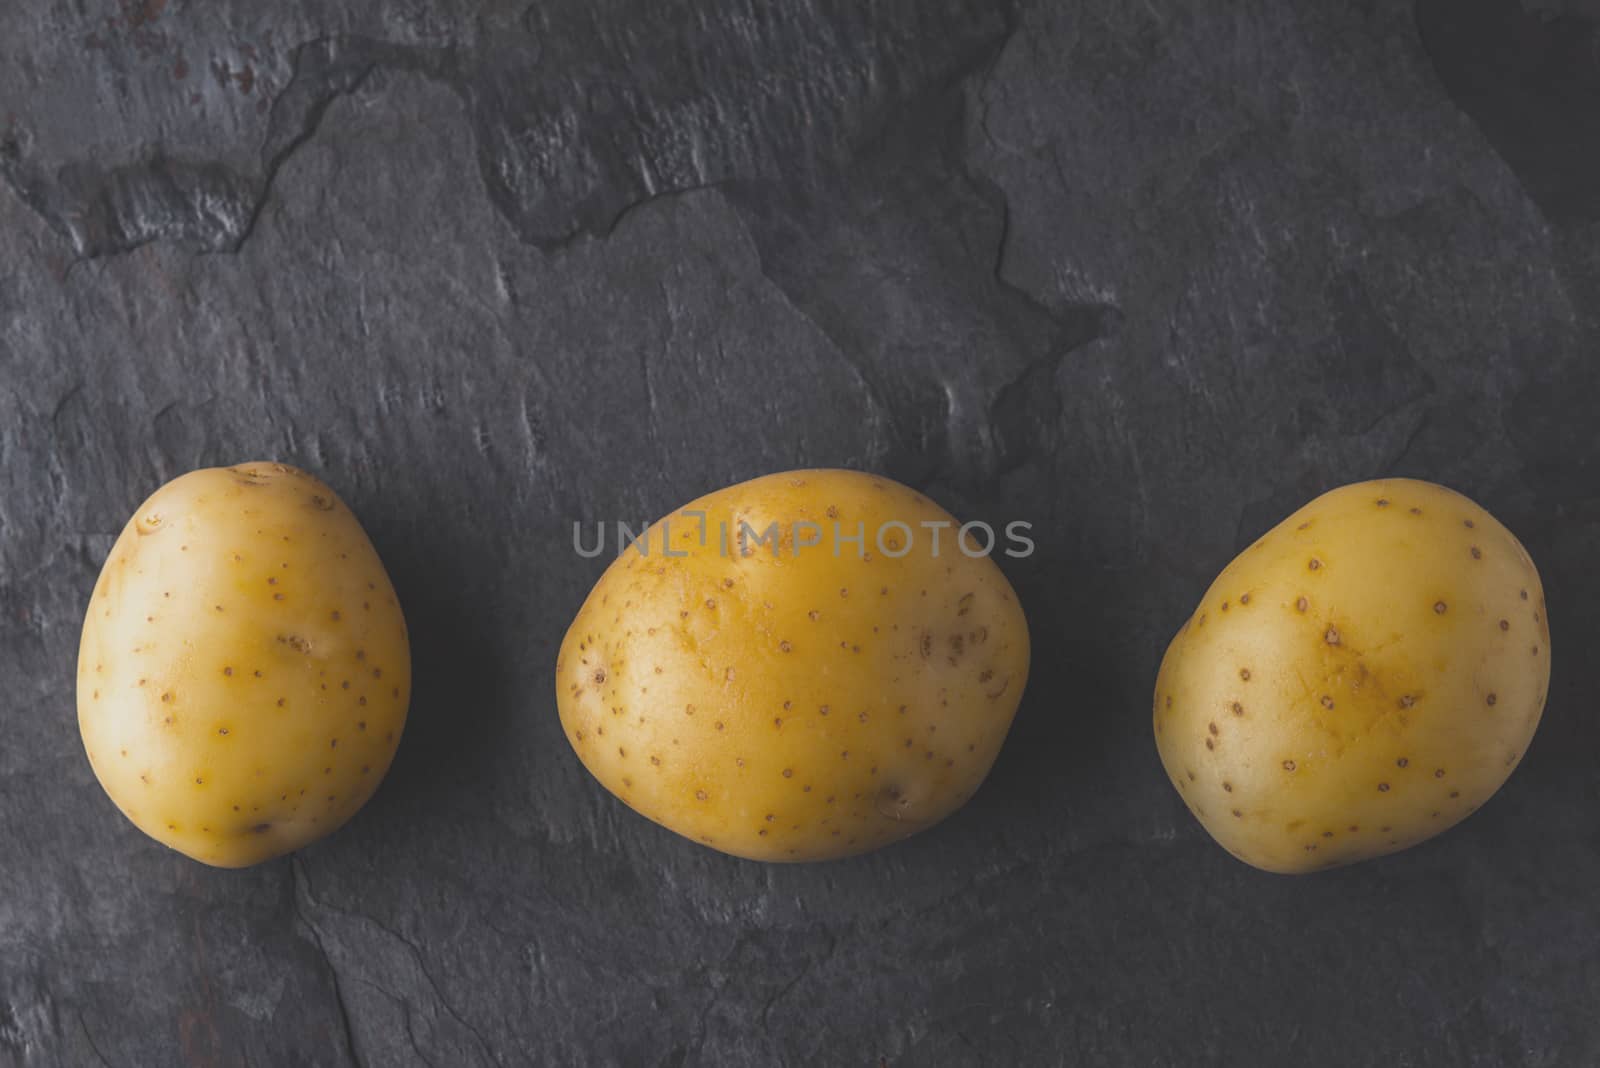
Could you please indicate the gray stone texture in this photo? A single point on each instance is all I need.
(1146, 274)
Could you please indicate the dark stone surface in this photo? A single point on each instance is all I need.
(1148, 275)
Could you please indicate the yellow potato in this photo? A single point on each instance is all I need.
(244, 673)
(782, 702)
(1363, 677)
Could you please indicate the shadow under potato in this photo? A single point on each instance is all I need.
(457, 719)
(1080, 719)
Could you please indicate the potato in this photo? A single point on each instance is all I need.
(1363, 677)
(789, 701)
(244, 672)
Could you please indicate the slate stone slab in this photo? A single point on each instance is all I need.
(1148, 275)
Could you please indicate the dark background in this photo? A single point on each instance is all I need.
(1149, 274)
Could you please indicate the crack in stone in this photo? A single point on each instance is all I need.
(94, 1047)
(917, 200)
(302, 894)
(806, 969)
(204, 205)
(405, 1013)
(304, 899)
(565, 146)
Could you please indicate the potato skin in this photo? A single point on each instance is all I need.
(1359, 680)
(244, 673)
(795, 705)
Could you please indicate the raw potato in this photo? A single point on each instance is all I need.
(1363, 677)
(795, 705)
(244, 672)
